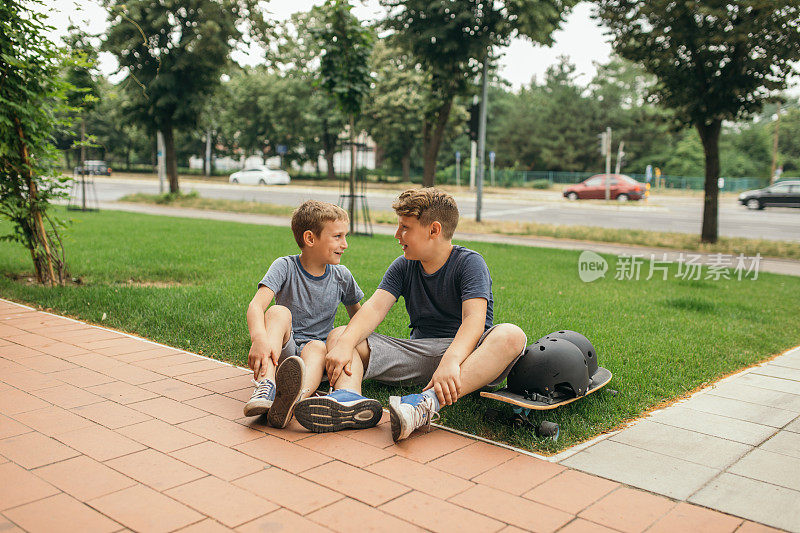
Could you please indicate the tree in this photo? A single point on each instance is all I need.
(344, 69)
(451, 41)
(174, 53)
(714, 61)
(32, 97)
(393, 115)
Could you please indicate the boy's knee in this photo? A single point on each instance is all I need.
(315, 349)
(334, 335)
(511, 338)
(279, 312)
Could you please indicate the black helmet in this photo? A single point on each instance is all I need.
(581, 342)
(549, 366)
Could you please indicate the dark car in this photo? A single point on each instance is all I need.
(781, 194)
(621, 188)
(95, 168)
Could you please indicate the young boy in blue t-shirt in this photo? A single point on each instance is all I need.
(287, 354)
(454, 347)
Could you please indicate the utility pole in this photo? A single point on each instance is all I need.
(473, 149)
(608, 163)
(620, 155)
(208, 153)
(482, 138)
(775, 147)
(162, 164)
(83, 163)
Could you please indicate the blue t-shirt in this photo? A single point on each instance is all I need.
(433, 301)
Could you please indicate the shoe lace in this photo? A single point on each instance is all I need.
(424, 414)
(264, 389)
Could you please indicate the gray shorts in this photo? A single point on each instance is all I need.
(291, 347)
(413, 361)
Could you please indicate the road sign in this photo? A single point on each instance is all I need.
(491, 156)
(458, 156)
(281, 149)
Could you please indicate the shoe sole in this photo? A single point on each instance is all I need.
(288, 389)
(322, 415)
(257, 408)
(394, 418)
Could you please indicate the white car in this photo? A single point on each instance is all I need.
(260, 175)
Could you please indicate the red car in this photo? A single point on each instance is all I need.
(621, 188)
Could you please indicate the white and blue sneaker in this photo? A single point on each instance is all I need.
(341, 409)
(407, 413)
(262, 398)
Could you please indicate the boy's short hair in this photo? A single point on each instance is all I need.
(312, 216)
(429, 204)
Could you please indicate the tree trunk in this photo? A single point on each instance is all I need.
(432, 141)
(352, 202)
(37, 235)
(329, 164)
(329, 145)
(709, 135)
(171, 160)
(406, 162)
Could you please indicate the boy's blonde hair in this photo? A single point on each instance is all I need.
(312, 216)
(429, 204)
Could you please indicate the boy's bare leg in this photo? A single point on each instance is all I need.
(278, 323)
(500, 347)
(313, 356)
(353, 381)
(278, 326)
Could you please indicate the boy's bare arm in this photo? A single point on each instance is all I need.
(446, 381)
(259, 348)
(362, 323)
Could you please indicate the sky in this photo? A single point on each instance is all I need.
(581, 37)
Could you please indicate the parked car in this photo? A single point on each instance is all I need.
(260, 175)
(621, 188)
(781, 194)
(94, 167)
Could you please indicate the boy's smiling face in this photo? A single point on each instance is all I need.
(414, 238)
(331, 243)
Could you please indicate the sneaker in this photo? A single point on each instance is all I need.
(410, 412)
(341, 409)
(262, 398)
(289, 382)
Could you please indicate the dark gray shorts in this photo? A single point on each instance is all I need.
(291, 347)
(413, 361)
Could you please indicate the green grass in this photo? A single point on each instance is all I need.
(661, 339)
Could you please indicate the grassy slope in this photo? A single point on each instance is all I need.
(661, 339)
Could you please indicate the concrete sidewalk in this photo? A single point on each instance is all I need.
(734, 446)
(102, 431)
(776, 266)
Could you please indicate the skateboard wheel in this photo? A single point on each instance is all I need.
(548, 430)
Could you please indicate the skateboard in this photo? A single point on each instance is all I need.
(523, 405)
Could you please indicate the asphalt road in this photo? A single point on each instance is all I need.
(666, 213)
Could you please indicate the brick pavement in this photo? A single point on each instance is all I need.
(101, 431)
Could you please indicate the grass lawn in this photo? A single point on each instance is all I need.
(187, 283)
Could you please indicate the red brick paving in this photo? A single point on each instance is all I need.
(100, 432)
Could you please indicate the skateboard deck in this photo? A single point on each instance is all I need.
(598, 381)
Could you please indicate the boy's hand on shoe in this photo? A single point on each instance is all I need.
(257, 358)
(336, 361)
(446, 382)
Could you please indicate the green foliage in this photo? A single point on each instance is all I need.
(346, 46)
(32, 98)
(452, 40)
(173, 53)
